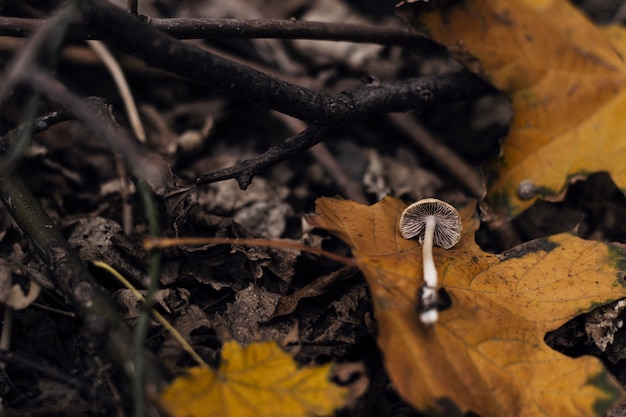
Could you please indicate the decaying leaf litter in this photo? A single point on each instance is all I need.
(215, 293)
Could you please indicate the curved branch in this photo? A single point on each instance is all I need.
(419, 93)
(320, 109)
(246, 170)
(163, 51)
(39, 124)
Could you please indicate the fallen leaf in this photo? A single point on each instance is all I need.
(258, 380)
(487, 352)
(565, 77)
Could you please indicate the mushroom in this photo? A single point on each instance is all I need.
(433, 222)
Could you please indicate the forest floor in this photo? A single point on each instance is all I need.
(214, 293)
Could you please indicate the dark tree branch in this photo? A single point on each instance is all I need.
(214, 28)
(71, 276)
(96, 116)
(25, 69)
(163, 51)
(18, 26)
(208, 28)
(68, 271)
(39, 124)
(321, 110)
(417, 94)
(246, 170)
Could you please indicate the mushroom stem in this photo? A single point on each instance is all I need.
(428, 292)
(430, 272)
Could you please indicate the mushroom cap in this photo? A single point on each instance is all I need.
(448, 225)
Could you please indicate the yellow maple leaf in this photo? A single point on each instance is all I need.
(566, 79)
(258, 380)
(487, 352)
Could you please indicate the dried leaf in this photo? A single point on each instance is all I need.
(487, 352)
(256, 381)
(566, 79)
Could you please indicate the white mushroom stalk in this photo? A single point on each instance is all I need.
(433, 222)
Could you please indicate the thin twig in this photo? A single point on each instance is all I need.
(246, 170)
(39, 124)
(216, 28)
(155, 243)
(114, 68)
(351, 189)
(161, 50)
(100, 122)
(70, 274)
(207, 28)
(46, 40)
(367, 101)
(440, 153)
(158, 316)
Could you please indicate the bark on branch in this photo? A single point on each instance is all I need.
(315, 107)
(216, 28)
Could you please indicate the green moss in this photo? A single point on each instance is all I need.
(606, 385)
(617, 257)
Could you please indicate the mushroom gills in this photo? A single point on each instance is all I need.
(432, 222)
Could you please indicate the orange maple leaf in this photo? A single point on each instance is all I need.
(487, 352)
(566, 78)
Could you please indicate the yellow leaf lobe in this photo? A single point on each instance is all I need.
(258, 380)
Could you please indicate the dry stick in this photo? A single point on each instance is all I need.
(246, 170)
(367, 101)
(163, 51)
(49, 35)
(134, 120)
(440, 153)
(153, 243)
(70, 274)
(351, 188)
(99, 121)
(23, 70)
(114, 68)
(216, 28)
(207, 28)
(39, 124)
(320, 109)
